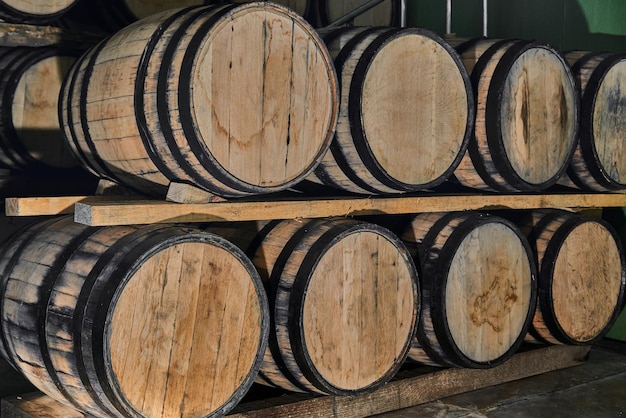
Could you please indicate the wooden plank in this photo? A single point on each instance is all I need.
(404, 393)
(35, 405)
(409, 389)
(13, 34)
(58, 205)
(125, 210)
(101, 213)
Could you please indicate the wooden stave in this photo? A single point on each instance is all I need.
(547, 231)
(479, 168)
(97, 392)
(212, 177)
(14, 15)
(585, 171)
(350, 149)
(432, 246)
(285, 254)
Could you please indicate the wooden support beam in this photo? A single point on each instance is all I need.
(410, 388)
(125, 210)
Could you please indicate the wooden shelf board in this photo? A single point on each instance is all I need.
(107, 210)
(410, 388)
(19, 34)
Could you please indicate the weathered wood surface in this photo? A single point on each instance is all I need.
(581, 279)
(181, 305)
(115, 210)
(406, 111)
(344, 295)
(14, 34)
(599, 162)
(409, 389)
(479, 288)
(274, 102)
(526, 117)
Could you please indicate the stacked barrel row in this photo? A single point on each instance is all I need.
(164, 320)
(366, 110)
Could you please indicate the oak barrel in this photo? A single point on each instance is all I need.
(151, 321)
(110, 16)
(405, 115)
(343, 298)
(30, 132)
(38, 12)
(387, 13)
(527, 115)
(599, 163)
(478, 284)
(581, 277)
(234, 99)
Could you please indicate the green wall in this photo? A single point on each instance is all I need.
(598, 25)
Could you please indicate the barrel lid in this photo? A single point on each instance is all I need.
(410, 91)
(262, 96)
(186, 328)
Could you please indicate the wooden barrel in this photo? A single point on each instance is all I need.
(110, 16)
(343, 297)
(526, 119)
(599, 162)
(30, 133)
(387, 13)
(478, 287)
(234, 99)
(29, 11)
(405, 115)
(132, 321)
(581, 276)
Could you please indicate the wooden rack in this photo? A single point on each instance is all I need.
(411, 387)
(124, 210)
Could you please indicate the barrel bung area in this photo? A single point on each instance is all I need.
(300, 208)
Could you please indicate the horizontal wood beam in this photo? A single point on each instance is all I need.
(126, 210)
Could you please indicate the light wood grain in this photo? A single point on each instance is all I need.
(344, 297)
(492, 275)
(526, 118)
(478, 288)
(405, 114)
(581, 277)
(359, 310)
(261, 70)
(538, 103)
(20, 34)
(209, 332)
(166, 324)
(598, 162)
(143, 212)
(36, 7)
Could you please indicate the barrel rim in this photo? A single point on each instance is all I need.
(437, 302)
(588, 103)
(17, 16)
(302, 280)
(546, 271)
(204, 155)
(494, 112)
(355, 103)
(129, 263)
